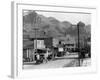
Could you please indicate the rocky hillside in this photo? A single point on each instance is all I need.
(51, 26)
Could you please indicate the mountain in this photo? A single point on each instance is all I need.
(67, 24)
(53, 27)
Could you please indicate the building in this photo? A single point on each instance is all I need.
(70, 43)
(35, 41)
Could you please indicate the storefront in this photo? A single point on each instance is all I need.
(33, 43)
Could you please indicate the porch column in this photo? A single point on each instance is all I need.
(27, 53)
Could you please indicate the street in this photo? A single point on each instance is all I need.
(69, 60)
(58, 62)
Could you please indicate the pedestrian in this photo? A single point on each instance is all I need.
(46, 56)
(38, 57)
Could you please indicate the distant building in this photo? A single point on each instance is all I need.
(55, 42)
(70, 43)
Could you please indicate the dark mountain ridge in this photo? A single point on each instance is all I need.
(53, 27)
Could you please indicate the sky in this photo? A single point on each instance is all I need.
(74, 18)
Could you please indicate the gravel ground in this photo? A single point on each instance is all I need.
(59, 62)
(75, 63)
(51, 64)
(86, 62)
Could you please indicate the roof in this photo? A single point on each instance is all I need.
(66, 39)
(28, 44)
(38, 35)
(35, 34)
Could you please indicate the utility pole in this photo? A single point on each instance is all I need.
(78, 32)
(36, 22)
(80, 26)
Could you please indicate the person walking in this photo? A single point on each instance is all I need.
(46, 56)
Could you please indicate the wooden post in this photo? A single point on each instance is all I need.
(27, 53)
(78, 44)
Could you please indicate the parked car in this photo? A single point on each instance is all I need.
(61, 52)
(40, 55)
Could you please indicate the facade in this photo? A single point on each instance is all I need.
(70, 43)
(37, 41)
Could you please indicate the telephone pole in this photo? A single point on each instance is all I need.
(78, 32)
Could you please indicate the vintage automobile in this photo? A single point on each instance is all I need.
(40, 55)
(61, 52)
(85, 52)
